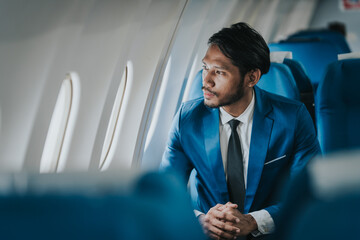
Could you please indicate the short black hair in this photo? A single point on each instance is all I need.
(338, 27)
(245, 47)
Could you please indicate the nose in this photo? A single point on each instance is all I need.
(208, 78)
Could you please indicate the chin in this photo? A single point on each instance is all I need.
(210, 104)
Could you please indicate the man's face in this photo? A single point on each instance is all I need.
(222, 83)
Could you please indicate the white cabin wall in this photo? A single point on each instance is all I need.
(164, 41)
(68, 40)
(148, 53)
(293, 15)
(93, 38)
(164, 99)
(330, 11)
(29, 35)
(103, 48)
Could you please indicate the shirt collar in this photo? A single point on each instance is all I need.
(245, 117)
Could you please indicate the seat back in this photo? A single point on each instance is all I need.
(279, 80)
(304, 85)
(314, 55)
(338, 106)
(100, 206)
(332, 36)
(196, 87)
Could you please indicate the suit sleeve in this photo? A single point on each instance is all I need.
(174, 158)
(306, 142)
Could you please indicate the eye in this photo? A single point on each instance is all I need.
(205, 68)
(220, 72)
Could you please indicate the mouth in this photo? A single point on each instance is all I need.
(208, 93)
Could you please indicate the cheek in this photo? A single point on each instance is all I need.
(203, 75)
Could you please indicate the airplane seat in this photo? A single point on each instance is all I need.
(300, 76)
(96, 206)
(279, 80)
(338, 106)
(196, 87)
(332, 36)
(313, 54)
(323, 201)
(304, 85)
(301, 79)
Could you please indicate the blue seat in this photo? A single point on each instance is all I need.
(314, 55)
(153, 206)
(332, 36)
(338, 106)
(323, 201)
(304, 85)
(279, 80)
(298, 71)
(196, 87)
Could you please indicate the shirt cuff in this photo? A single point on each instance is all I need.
(264, 221)
(197, 213)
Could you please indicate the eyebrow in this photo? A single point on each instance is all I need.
(221, 67)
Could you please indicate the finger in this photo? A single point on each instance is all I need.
(215, 212)
(220, 234)
(222, 215)
(215, 237)
(221, 208)
(218, 206)
(224, 226)
(229, 216)
(231, 205)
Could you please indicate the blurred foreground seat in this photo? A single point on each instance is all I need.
(323, 202)
(95, 206)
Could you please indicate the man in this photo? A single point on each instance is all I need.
(239, 163)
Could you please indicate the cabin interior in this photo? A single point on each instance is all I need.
(89, 89)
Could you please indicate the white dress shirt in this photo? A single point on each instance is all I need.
(262, 217)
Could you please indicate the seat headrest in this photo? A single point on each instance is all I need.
(338, 174)
(341, 85)
(279, 56)
(351, 55)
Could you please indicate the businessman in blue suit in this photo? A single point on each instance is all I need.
(242, 142)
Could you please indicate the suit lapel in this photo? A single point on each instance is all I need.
(260, 137)
(212, 147)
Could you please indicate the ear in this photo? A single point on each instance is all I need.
(253, 76)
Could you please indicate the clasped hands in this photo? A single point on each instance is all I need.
(227, 222)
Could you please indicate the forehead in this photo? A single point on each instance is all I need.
(214, 56)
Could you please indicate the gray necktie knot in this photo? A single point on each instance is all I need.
(233, 124)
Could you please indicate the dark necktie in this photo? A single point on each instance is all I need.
(235, 169)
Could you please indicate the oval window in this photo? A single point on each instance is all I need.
(111, 132)
(61, 126)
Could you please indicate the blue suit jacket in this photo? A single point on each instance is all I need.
(283, 140)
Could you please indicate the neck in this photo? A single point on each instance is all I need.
(237, 108)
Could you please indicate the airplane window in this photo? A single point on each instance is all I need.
(159, 101)
(61, 125)
(110, 136)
